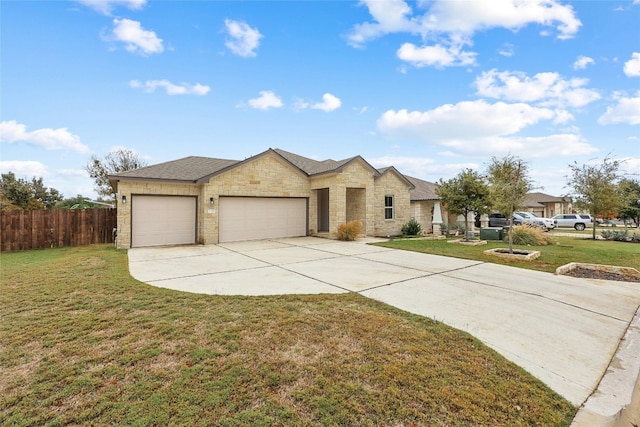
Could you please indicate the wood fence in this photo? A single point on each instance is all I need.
(33, 229)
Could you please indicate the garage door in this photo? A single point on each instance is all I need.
(162, 220)
(254, 218)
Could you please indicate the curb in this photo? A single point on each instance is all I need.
(616, 401)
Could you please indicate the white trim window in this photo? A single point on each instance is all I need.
(388, 207)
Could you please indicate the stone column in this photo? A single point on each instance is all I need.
(437, 219)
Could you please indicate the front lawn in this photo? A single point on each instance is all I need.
(82, 343)
(563, 251)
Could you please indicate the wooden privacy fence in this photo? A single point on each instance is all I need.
(23, 230)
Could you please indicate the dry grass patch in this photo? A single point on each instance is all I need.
(85, 344)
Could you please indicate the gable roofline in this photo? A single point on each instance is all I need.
(386, 170)
(248, 160)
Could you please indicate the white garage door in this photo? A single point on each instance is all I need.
(254, 218)
(162, 220)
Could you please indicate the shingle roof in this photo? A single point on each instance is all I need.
(536, 199)
(197, 169)
(423, 190)
(190, 168)
(313, 167)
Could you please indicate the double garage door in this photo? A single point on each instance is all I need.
(172, 220)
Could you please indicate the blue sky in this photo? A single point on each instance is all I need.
(429, 87)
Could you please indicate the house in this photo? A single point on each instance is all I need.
(270, 195)
(546, 206)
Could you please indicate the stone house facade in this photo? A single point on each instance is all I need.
(273, 194)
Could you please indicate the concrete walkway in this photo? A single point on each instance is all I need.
(563, 330)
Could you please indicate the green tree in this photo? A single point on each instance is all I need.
(594, 187)
(630, 193)
(509, 184)
(466, 192)
(120, 160)
(18, 193)
(81, 202)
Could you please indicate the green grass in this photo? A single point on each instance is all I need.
(82, 343)
(563, 251)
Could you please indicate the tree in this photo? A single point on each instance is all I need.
(595, 187)
(630, 193)
(81, 202)
(466, 192)
(117, 161)
(509, 184)
(22, 194)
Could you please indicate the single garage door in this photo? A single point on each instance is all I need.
(163, 220)
(254, 218)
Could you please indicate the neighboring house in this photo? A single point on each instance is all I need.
(544, 205)
(270, 195)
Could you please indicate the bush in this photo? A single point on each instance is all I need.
(616, 235)
(350, 230)
(411, 228)
(531, 236)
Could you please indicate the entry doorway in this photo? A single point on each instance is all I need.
(323, 210)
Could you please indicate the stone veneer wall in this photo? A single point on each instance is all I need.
(265, 176)
(421, 210)
(132, 188)
(355, 175)
(390, 184)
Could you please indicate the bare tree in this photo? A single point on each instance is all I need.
(595, 187)
(120, 160)
(509, 184)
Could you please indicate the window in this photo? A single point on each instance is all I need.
(388, 207)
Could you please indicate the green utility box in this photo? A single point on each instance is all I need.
(491, 233)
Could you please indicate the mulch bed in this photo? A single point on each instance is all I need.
(588, 273)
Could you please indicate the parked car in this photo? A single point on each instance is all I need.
(546, 222)
(577, 221)
(498, 220)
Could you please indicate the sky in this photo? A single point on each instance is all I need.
(430, 87)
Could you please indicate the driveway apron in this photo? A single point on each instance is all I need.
(563, 330)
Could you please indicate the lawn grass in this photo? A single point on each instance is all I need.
(82, 343)
(563, 251)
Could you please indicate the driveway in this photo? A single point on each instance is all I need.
(563, 330)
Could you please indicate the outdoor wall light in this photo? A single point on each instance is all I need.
(211, 201)
(124, 199)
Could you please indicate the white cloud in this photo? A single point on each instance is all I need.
(106, 6)
(170, 88)
(136, 39)
(244, 40)
(468, 119)
(507, 50)
(329, 103)
(27, 169)
(631, 166)
(480, 128)
(47, 138)
(462, 18)
(626, 110)
(266, 100)
(545, 89)
(437, 55)
(582, 62)
(632, 66)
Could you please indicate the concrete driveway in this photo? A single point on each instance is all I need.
(563, 330)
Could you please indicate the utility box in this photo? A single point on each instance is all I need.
(491, 233)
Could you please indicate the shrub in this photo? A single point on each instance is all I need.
(411, 228)
(532, 236)
(350, 230)
(619, 236)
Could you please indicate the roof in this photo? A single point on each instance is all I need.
(422, 190)
(189, 169)
(537, 199)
